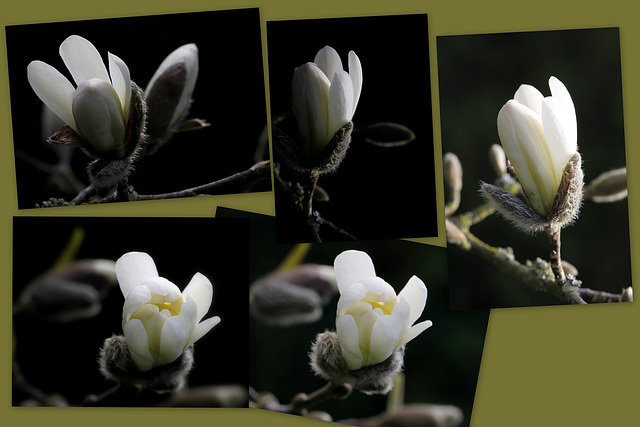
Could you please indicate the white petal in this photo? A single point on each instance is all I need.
(310, 96)
(202, 328)
(523, 140)
(121, 80)
(199, 290)
(328, 60)
(135, 299)
(560, 93)
(529, 96)
(54, 89)
(133, 269)
(414, 331)
(379, 287)
(355, 72)
(351, 267)
(340, 102)
(164, 287)
(366, 322)
(384, 336)
(98, 114)
(82, 59)
(348, 336)
(175, 334)
(415, 293)
(136, 336)
(350, 296)
(562, 144)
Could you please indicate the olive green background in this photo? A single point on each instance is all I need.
(551, 366)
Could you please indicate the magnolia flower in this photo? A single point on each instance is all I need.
(98, 106)
(372, 321)
(539, 136)
(159, 321)
(325, 97)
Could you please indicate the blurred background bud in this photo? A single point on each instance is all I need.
(420, 415)
(70, 293)
(293, 296)
(611, 186)
(452, 171)
(498, 159)
(220, 396)
(627, 294)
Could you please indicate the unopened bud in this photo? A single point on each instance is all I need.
(498, 159)
(293, 296)
(627, 294)
(452, 171)
(422, 415)
(609, 187)
(70, 293)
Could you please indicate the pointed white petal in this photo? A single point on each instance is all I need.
(133, 269)
(351, 267)
(136, 336)
(340, 102)
(328, 60)
(348, 336)
(560, 93)
(199, 290)
(82, 59)
(529, 96)
(53, 89)
(414, 331)
(560, 138)
(355, 72)
(415, 294)
(121, 80)
(202, 329)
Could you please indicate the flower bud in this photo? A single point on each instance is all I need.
(498, 159)
(168, 95)
(293, 296)
(70, 293)
(539, 137)
(452, 171)
(325, 98)
(611, 186)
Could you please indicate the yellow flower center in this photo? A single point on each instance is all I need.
(374, 300)
(174, 309)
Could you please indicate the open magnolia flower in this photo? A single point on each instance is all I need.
(372, 321)
(325, 97)
(98, 106)
(159, 321)
(539, 137)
